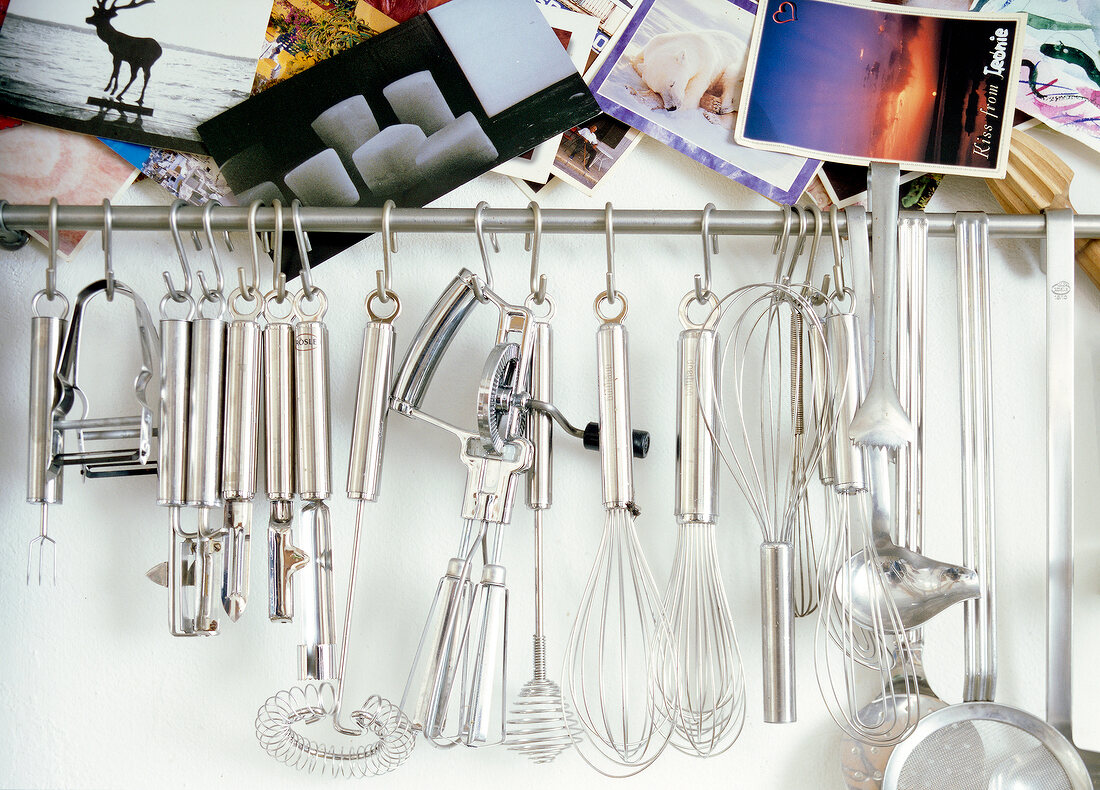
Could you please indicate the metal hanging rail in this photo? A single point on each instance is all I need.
(14, 218)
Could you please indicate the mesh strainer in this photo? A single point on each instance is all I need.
(985, 746)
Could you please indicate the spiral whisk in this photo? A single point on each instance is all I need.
(304, 705)
(541, 725)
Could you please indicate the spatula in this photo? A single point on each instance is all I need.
(1037, 179)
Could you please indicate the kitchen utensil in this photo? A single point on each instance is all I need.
(1061, 292)
(880, 420)
(706, 682)
(755, 429)
(540, 724)
(620, 640)
(981, 744)
(1036, 180)
(314, 702)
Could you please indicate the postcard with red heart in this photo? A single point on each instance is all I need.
(858, 82)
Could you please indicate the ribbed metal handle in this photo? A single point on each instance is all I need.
(696, 408)
(205, 418)
(616, 442)
(43, 486)
(175, 388)
(313, 448)
(242, 410)
(368, 433)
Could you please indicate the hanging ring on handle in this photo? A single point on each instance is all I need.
(383, 276)
(11, 240)
(278, 277)
(304, 248)
(251, 291)
(479, 230)
(710, 244)
(211, 294)
(609, 229)
(51, 265)
(178, 294)
(532, 242)
(105, 243)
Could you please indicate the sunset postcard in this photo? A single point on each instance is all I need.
(856, 83)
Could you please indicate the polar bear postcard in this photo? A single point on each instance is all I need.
(676, 73)
(856, 82)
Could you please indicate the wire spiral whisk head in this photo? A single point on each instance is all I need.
(619, 644)
(311, 704)
(705, 682)
(541, 725)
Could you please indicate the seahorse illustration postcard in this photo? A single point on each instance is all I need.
(141, 71)
(1060, 70)
(860, 82)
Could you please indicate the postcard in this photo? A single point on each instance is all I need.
(855, 82)
(846, 185)
(609, 15)
(575, 32)
(300, 33)
(402, 10)
(676, 74)
(140, 71)
(1059, 78)
(38, 163)
(407, 115)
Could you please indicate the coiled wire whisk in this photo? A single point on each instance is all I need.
(540, 722)
(311, 703)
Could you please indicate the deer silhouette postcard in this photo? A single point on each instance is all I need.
(141, 71)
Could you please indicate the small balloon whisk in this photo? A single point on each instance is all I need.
(706, 683)
(619, 648)
(760, 442)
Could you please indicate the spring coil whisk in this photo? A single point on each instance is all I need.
(311, 703)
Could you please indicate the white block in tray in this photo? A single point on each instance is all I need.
(461, 145)
(387, 162)
(266, 192)
(322, 180)
(505, 48)
(346, 125)
(417, 99)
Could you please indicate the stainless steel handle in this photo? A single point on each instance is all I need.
(242, 410)
(431, 341)
(843, 338)
(175, 393)
(317, 657)
(205, 419)
(278, 378)
(489, 682)
(43, 483)
(540, 426)
(778, 632)
(697, 416)
(616, 442)
(313, 447)
(368, 433)
(285, 560)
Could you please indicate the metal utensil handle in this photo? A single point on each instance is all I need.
(777, 623)
(697, 408)
(204, 433)
(431, 341)
(540, 426)
(368, 433)
(175, 395)
(43, 485)
(490, 663)
(913, 246)
(975, 375)
(317, 656)
(313, 448)
(847, 356)
(1059, 255)
(242, 410)
(616, 447)
(278, 378)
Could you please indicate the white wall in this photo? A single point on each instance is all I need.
(94, 692)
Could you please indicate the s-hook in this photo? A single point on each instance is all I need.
(389, 247)
(532, 242)
(178, 294)
(304, 248)
(479, 230)
(710, 244)
(105, 243)
(611, 293)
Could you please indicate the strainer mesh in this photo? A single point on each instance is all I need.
(981, 754)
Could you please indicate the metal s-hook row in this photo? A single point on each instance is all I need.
(479, 231)
(11, 240)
